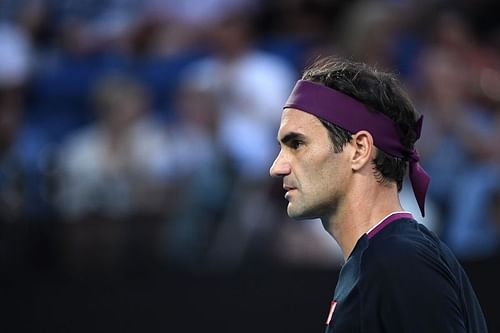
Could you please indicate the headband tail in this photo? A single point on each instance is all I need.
(420, 182)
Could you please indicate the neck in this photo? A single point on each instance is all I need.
(360, 212)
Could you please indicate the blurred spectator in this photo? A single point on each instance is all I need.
(443, 102)
(117, 167)
(195, 13)
(15, 55)
(460, 129)
(473, 231)
(15, 66)
(205, 172)
(12, 173)
(252, 87)
(369, 32)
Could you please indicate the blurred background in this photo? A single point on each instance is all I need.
(136, 138)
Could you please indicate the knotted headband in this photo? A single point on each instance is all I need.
(353, 116)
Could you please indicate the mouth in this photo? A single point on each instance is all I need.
(288, 190)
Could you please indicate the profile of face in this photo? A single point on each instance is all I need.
(315, 178)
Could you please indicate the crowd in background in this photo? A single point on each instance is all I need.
(164, 113)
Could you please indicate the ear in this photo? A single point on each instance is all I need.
(364, 150)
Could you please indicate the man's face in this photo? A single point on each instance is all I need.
(315, 178)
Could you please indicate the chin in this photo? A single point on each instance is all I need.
(299, 214)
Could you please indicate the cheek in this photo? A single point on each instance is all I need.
(330, 174)
(316, 177)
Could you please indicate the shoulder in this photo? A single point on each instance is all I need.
(407, 252)
(407, 277)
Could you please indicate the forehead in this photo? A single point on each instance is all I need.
(293, 120)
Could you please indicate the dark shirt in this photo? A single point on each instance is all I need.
(404, 279)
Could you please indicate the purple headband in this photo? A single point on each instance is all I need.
(353, 116)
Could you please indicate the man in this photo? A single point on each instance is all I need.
(347, 134)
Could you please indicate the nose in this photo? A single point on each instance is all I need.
(280, 167)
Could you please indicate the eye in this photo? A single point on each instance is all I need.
(295, 144)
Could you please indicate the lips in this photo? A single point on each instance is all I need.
(288, 190)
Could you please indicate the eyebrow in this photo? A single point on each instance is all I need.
(290, 137)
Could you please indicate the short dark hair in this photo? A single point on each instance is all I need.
(381, 92)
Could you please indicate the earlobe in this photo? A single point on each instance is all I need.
(363, 149)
